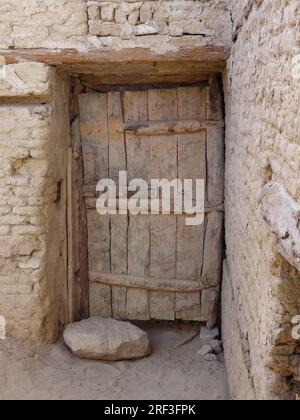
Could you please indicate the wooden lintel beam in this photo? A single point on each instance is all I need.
(208, 55)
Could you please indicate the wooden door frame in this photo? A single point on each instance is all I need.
(213, 60)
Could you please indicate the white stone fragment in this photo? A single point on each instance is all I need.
(205, 350)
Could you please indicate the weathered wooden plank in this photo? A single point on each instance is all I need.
(117, 149)
(190, 244)
(137, 304)
(191, 102)
(119, 295)
(209, 306)
(162, 104)
(191, 165)
(191, 147)
(98, 242)
(163, 246)
(135, 105)
(94, 136)
(71, 239)
(119, 253)
(100, 300)
(213, 250)
(162, 305)
(81, 303)
(214, 100)
(192, 156)
(117, 163)
(138, 245)
(216, 167)
(168, 128)
(138, 148)
(188, 307)
(208, 55)
(148, 283)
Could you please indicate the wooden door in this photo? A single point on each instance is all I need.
(154, 266)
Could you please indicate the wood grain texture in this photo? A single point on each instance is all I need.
(137, 305)
(119, 297)
(191, 165)
(100, 300)
(98, 241)
(208, 55)
(148, 283)
(117, 150)
(94, 136)
(168, 128)
(188, 306)
(71, 239)
(213, 250)
(162, 305)
(154, 266)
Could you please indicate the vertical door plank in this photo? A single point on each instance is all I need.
(209, 306)
(212, 266)
(190, 244)
(162, 305)
(138, 245)
(214, 100)
(191, 102)
(163, 247)
(71, 240)
(98, 242)
(216, 166)
(77, 174)
(138, 150)
(117, 163)
(191, 165)
(188, 306)
(118, 230)
(117, 151)
(119, 302)
(162, 104)
(100, 300)
(94, 136)
(137, 304)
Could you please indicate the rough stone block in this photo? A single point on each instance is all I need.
(27, 80)
(107, 339)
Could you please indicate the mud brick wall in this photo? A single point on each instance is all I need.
(117, 24)
(176, 21)
(261, 290)
(33, 143)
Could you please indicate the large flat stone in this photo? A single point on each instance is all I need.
(106, 339)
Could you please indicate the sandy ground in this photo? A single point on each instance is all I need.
(53, 373)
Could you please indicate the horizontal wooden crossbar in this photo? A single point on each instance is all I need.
(148, 283)
(169, 128)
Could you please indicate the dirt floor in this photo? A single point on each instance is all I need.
(171, 372)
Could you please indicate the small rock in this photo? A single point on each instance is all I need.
(206, 334)
(133, 18)
(107, 13)
(210, 358)
(106, 339)
(205, 350)
(216, 345)
(145, 13)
